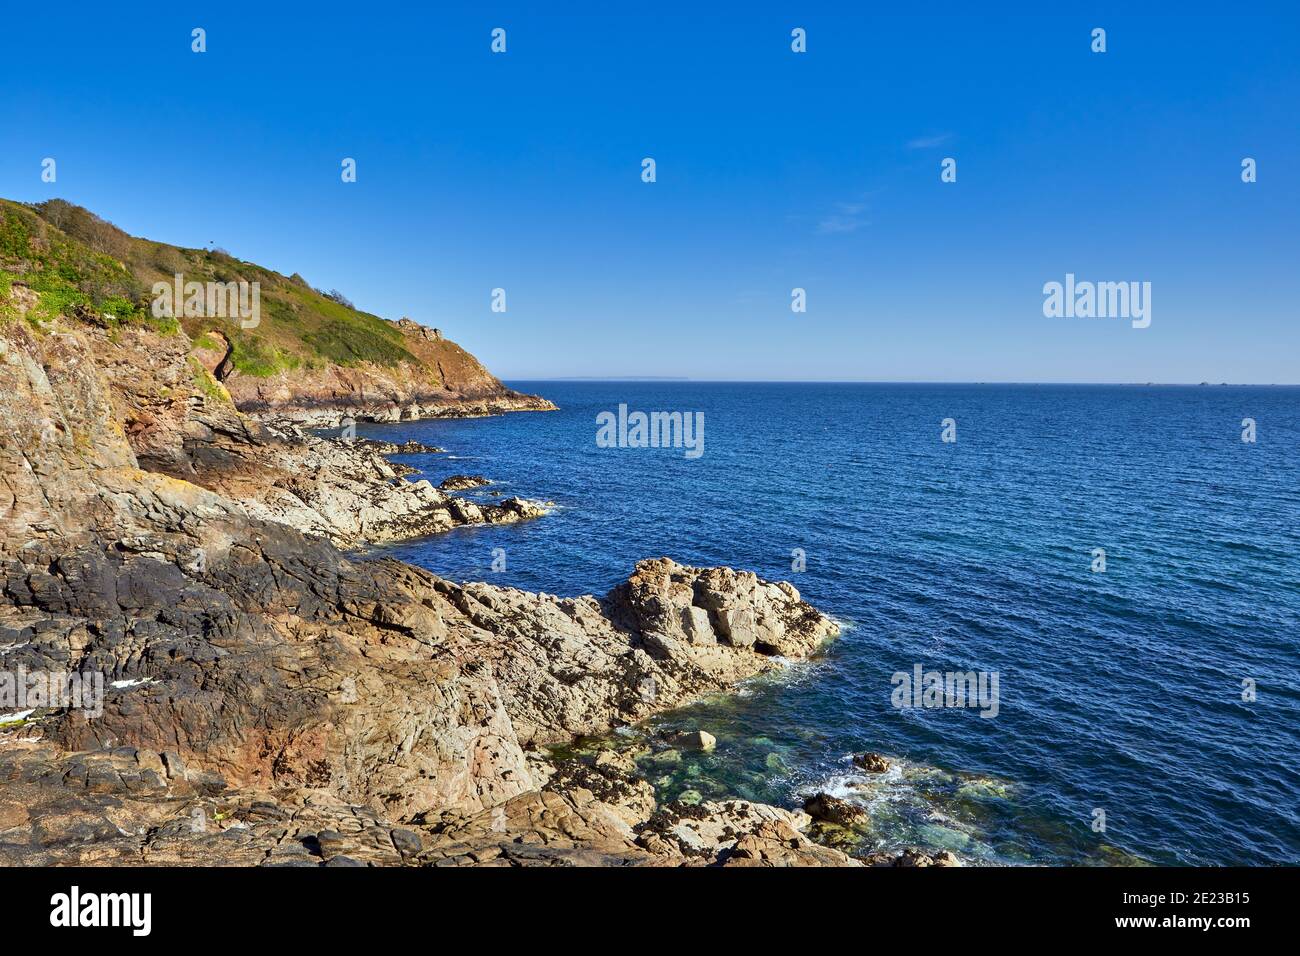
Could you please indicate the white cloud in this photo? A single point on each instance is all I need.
(929, 142)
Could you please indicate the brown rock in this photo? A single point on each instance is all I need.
(830, 809)
(871, 762)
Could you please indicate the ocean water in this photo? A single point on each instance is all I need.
(1119, 691)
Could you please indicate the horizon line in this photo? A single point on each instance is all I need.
(661, 379)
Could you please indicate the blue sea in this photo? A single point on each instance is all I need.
(1123, 735)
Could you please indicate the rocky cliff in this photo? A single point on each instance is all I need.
(307, 354)
(270, 699)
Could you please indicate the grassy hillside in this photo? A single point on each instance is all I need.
(86, 268)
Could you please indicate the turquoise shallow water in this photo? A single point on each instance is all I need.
(1119, 691)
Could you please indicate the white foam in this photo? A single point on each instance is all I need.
(136, 682)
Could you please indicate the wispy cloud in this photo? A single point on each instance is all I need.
(846, 217)
(929, 142)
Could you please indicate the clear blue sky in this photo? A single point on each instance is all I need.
(775, 170)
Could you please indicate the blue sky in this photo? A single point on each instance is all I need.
(775, 170)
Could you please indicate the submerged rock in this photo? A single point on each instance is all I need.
(695, 739)
(943, 836)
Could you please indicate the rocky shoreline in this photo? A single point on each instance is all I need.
(331, 412)
(271, 699)
(445, 382)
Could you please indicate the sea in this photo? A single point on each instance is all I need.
(1125, 560)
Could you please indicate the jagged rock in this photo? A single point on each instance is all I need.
(661, 595)
(912, 857)
(409, 447)
(463, 482)
(871, 762)
(735, 833)
(830, 809)
(173, 764)
(350, 494)
(513, 509)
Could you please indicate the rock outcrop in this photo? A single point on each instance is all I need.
(463, 482)
(132, 807)
(151, 409)
(841, 813)
(912, 857)
(871, 762)
(270, 699)
(348, 492)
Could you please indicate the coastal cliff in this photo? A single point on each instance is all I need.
(299, 352)
(270, 699)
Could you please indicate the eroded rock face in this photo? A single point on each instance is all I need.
(82, 403)
(316, 707)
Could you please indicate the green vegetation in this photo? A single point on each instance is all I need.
(205, 383)
(86, 269)
(8, 310)
(345, 344)
(253, 355)
(70, 278)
